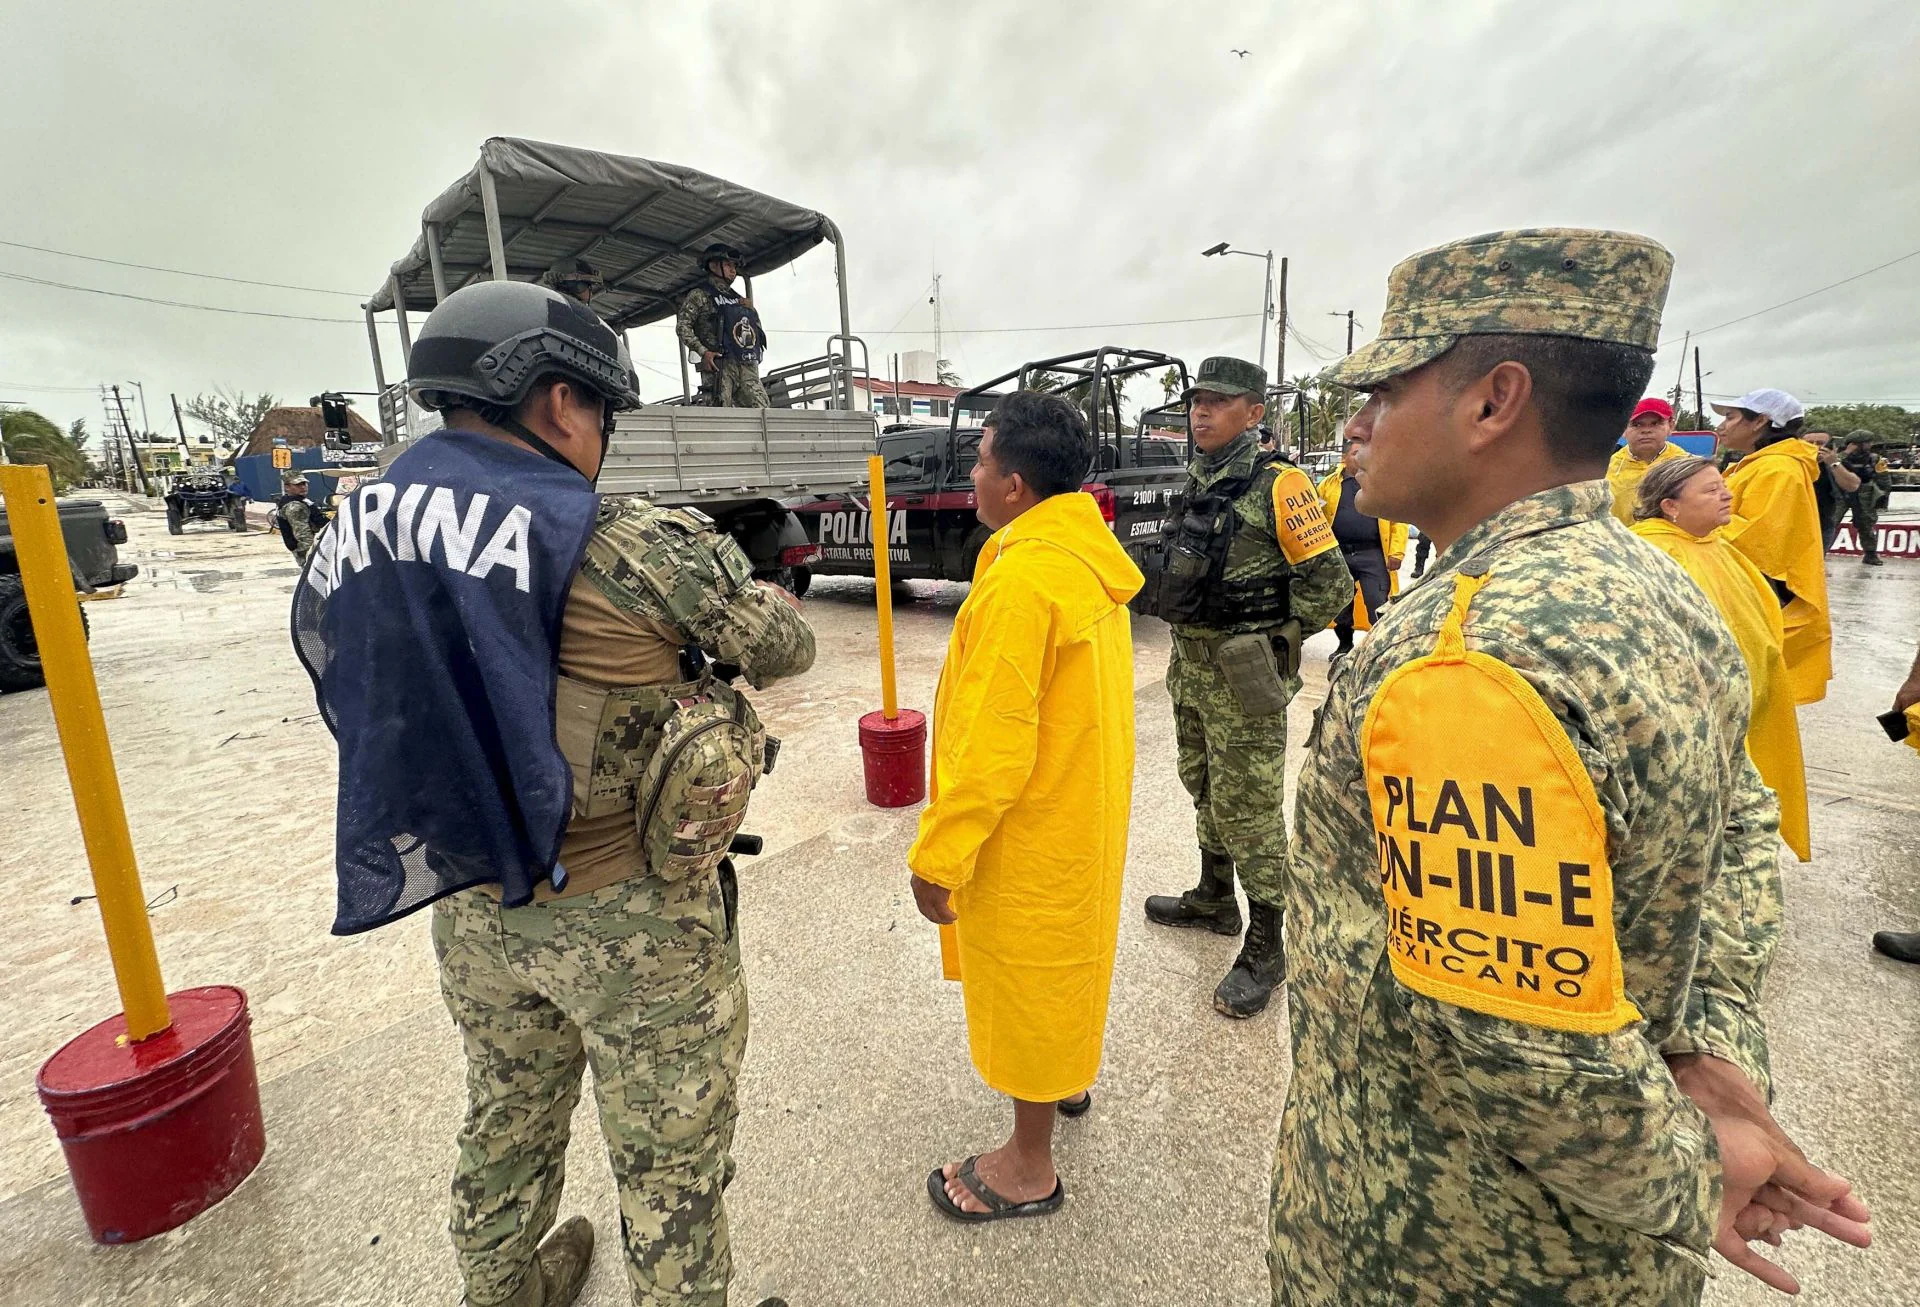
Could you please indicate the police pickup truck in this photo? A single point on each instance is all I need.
(931, 532)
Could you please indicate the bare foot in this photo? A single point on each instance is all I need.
(1007, 1174)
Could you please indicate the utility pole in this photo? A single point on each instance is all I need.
(1346, 396)
(1699, 391)
(1280, 362)
(146, 423)
(186, 453)
(1680, 376)
(938, 354)
(127, 427)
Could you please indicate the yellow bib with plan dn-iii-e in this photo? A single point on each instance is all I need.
(1492, 846)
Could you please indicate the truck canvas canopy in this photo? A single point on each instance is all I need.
(528, 205)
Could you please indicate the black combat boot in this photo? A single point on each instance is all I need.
(1209, 904)
(1262, 964)
(1900, 945)
(1872, 559)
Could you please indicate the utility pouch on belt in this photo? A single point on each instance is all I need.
(693, 789)
(1247, 664)
(682, 758)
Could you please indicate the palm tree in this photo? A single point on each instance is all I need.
(30, 437)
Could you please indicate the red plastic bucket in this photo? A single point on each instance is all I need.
(157, 1132)
(895, 754)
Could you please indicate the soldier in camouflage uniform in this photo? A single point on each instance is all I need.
(1876, 487)
(623, 956)
(729, 363)
(1260, 560)
(631, 969)
(298, 520)
(1456, 1132)
(576, 278)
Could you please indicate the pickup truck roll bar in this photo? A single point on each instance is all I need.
(1103, 372)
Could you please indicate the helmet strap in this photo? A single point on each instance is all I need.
(508, 422)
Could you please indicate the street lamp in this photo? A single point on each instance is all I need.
(1266, 310)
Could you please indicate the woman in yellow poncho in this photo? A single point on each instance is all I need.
(1682, 505)
(1776, 524)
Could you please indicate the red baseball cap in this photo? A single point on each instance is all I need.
(1658, 407)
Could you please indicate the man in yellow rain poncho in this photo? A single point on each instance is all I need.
(1647, 443)
(1679, 510)
(1024, 841)
(1776, 523)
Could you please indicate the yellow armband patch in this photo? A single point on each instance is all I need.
(1491, 843)
(1300, 517)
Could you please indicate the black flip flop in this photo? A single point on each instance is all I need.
(1081, 1108)
(998, 1208)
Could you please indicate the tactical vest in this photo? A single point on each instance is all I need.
(1224, 567)
(286, 528)
(684, 757)
(741, 337)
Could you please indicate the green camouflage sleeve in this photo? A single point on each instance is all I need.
(671, 565)
(1321, 587)
(695, 308)
(1740, 925)
(1596, 1118)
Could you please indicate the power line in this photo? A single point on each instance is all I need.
(1809, 295)
(174, 304)
(178, 272)
(76, 390)
(996, 331)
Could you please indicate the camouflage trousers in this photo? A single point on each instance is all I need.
(1864, 504)
(639, 981)
(736, 385)
(1235, 768)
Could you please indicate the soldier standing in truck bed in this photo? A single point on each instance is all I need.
(722, 329)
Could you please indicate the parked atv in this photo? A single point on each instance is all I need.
(203, 494)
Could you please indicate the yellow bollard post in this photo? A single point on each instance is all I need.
(34, 521)
(882, 580)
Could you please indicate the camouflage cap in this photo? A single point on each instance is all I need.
(1230, 376)
(1545, 281)
(1860, 437)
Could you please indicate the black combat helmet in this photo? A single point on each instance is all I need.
(491, 341)
(720, 250)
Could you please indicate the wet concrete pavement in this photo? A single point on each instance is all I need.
(857, 1079)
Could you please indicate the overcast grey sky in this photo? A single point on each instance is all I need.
(1065, 164)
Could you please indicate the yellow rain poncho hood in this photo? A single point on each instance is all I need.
(1030, 793)
(1746, 603)
(1776, 524)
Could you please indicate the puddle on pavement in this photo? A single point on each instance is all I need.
(206, 582)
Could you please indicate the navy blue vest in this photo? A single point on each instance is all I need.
(741, 337)
(429, 620)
